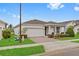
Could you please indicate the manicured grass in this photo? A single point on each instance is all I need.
(77, 41)
(69, 38)
(11, 41)
(22, 51)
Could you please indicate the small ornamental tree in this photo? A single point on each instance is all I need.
(6, 33)
(70, 31)
(10, 27)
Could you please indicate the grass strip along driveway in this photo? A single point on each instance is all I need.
(76, 41)
(69, 38)
(23, 51)
(11, 42)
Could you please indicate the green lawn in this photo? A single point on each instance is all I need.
(23, 51)
(11, 41)
(69, 38)
(77, 41)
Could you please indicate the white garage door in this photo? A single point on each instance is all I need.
(35, 32)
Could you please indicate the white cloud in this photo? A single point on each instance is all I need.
(55, 6)
(61, 6)
(15, 16)
(76, 8)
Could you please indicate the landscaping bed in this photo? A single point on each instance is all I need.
(23, 51)
(11, 41)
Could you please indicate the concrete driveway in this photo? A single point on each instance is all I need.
(55, 47)
(42, 39)
(60, 48)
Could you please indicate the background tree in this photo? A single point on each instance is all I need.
(70, 31)
(10, 27)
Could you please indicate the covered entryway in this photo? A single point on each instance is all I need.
(35, 32)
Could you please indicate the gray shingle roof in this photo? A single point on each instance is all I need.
(3, 22)
(51, 22)
(35, 21)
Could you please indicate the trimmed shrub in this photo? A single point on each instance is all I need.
(50, 36)
(56, 36)
(70, 32)
(62, 32)
(53, 33)
(66, 35)
(62, 35)
(6, 33)
(25, 36)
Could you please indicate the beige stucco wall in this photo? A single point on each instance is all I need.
(50, 30)
(71, 24)
(16, 30)
(2, 26)
(39, 30)
(75, 29)
(62, 29)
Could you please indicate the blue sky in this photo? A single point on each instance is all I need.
(43, 11)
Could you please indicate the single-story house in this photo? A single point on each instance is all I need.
(35, 28)
(3, 25)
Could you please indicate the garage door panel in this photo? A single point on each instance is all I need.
(35, 32)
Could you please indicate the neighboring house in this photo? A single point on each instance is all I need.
(3, 25)
(35, 28)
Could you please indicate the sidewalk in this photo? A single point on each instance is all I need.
(49, 46)
(18, 46)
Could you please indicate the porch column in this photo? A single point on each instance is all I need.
(64, 29)
(49, 30)
(55, 29)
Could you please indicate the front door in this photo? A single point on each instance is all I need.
(57, 29)
(46, 30)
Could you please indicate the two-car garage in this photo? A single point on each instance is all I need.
(33, 28)
(35, 32)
